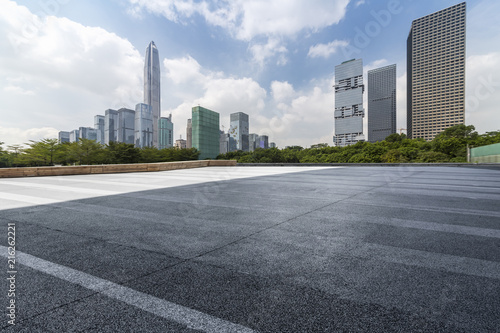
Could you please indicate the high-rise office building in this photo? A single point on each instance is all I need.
(349, 110)
(272, 145)
(381, 103)
(88, 133)
(189, 134)
(126, 126)
(74, 135)
(143, 128)
(206, 132)
(253, 141)
(436, 72)
(166, 132)
(63, 137)
(227, 143)
(99, 126)
(152, 95)
(238, 130)
(263, 141)
(110, 126)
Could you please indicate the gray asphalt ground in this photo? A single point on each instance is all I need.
(264, 249)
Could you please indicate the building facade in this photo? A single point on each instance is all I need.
(180, 143)
(126, 125)
(263, 142)
(166, 132)
(110, 126)
(253, 141)
(238, 130)
(88, 133)
(152, 95)
(63, 136)
(99, 126)
(381, 103)
(349, 111)
(74, 135)
(436, 72)
(189, 134)
(143, 125)
(206, 132)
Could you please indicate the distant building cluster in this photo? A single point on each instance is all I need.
(203, 133)
(142, 127)
(435, 84)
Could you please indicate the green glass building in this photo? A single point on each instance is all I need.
(206, 134)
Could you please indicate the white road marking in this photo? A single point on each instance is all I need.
(193, 319)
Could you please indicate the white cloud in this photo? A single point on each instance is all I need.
(20, 136)
(247, 20)
(326, 50)
(262, 52)
(359, 3)
(65, 72)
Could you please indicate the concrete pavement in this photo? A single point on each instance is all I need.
(265, 249)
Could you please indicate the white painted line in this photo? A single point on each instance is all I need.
(177, 313)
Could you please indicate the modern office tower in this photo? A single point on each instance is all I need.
(238, 130)
(152, 95)
(63, 136)
(272, 145)
(143, 126)
(263, 141)
(88, 133)
(110, 126)
(189, 134)
(227, 143)
(180, 143)
(206, 132)
(253, 141)
(74, 135)
(381, 103)
(436, 72)
(349, 110)
(99, 126)
(166, 132)
(126, 126)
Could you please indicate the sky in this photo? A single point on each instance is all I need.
(64, 61)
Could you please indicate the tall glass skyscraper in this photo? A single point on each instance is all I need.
(88, 133)
(436, 72)
(152, 94)
(126, 124)
(349, 110)
(206, 132)
(63, 136)
(143, 126)
(381, 103)
(239, 130)
(110, 126)
(99, 126)
(166, 132)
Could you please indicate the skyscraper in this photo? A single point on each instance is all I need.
(88, 133)
(238, 130)
(152, 86)
(436, 72)
(206, 132)
(99, 126)
(166, 132)
(110, 126)
(74, 135)
(253, 141)
(349, 110)
(126, 124)
(381, 103)
(143, 127)
(189, 134)
(63, 136)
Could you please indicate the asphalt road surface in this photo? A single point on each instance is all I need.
(253, 249)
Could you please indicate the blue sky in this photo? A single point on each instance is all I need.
(64, 61)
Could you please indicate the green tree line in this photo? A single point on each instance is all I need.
(449, 146)
(48, 152)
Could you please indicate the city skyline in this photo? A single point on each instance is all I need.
(284, 85)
